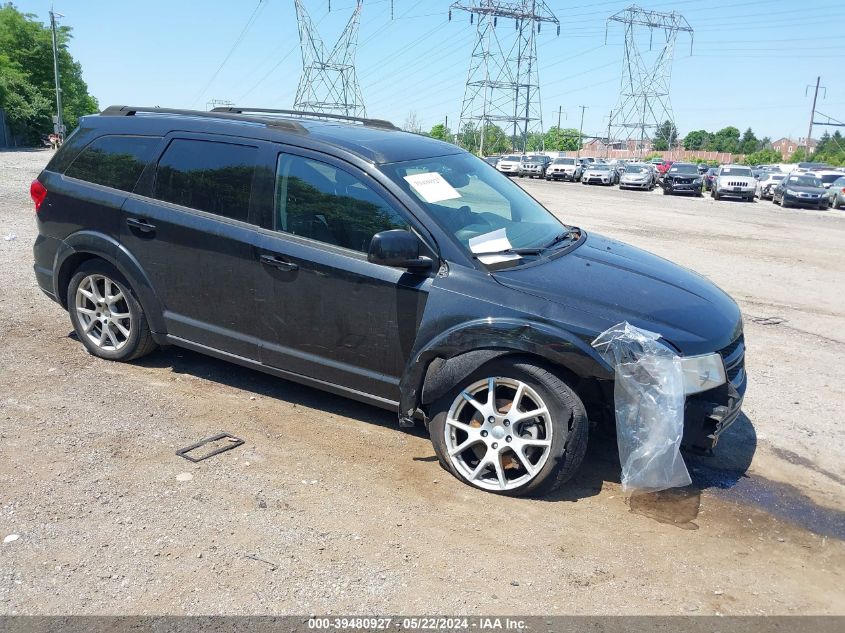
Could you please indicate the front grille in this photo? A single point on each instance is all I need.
(734, 183)
(733, 356)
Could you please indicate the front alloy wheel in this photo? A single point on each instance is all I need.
(512, 428)
(498, 433)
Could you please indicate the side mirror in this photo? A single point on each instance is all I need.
(397, 248)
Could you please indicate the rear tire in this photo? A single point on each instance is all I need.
(106, 315)
(552, 443)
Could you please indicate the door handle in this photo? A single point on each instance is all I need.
(275, 262)
(141, 225)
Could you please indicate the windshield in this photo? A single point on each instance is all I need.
(636, 169)
(684, 168)
(600, 167)
(735, 171)
(468, 200)
(564, 161)
(514, 159)
(804, 181)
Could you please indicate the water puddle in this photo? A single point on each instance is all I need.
(676, 506)
(778, 499)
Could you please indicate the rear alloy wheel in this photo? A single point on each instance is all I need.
(512, 428)
(107, 318)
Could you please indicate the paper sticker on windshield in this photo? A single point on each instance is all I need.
(432, 187)
(494, 244)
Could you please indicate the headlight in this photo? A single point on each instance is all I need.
(697, 181)
(791, 192)
(702, 372)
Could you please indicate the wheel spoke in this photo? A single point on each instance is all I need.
(479, 469)
(460, 425)
(526, 464)
(491, 393)
(120, 327)
(517, 398)
(120, 315)
(533, 442)
(115, 298)
(530, 414)
(112, 337)
(87, 326)
(87, 311)
(95, 291)
(87, 294)
(475, 403)
(500, 472)
(103, 335)
(463, 446)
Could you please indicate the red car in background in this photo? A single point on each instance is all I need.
(663, 167)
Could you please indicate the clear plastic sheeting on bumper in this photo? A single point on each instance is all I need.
(649, 400)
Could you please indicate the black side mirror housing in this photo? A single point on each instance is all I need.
(398, 248)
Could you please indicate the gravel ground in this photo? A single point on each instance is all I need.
(330, 508)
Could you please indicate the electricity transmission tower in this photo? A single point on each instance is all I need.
(329, 83)
(503, 85)
(644, 103)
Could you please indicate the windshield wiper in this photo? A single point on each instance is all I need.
(572, 232)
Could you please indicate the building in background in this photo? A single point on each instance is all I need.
(787, 146)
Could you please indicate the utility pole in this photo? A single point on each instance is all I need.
(580, 133)
(807, 148)
(59, 124)
(607, 145)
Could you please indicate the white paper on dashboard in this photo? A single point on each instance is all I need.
(493, 243)
(432, 187)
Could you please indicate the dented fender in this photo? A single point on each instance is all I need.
(503, 334)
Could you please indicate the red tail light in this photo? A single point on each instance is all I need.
(38, 193)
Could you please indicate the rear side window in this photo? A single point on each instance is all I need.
(208, 176)
(114, 161)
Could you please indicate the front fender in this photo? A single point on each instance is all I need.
(555, 345)
(84, 243)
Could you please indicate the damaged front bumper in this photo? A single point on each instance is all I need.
(708, 414)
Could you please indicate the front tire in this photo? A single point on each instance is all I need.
(480, 439)
(108, 319)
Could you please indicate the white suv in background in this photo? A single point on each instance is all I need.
(735, 181)
(565, 169)
(509, 165)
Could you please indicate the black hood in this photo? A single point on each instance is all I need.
(614, 282)
(819, 191)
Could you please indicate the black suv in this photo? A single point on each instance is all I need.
(388, 267)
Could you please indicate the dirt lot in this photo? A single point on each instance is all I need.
(330, 507)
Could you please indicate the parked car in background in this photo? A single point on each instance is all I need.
(836, 193)
(803, 189)
(492, 160)
(663, 167)
(533, 166)
(564, 169)
(766, 184)
(638, 176)
(307, 248)
(702, 168)
(509, 165)
(682, 178)
(600, 174)
(709, 177)
(828, 177)
(735, 181)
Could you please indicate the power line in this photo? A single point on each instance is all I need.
(252, 18)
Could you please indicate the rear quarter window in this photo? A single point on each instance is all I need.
(114, 161)
(208, 176)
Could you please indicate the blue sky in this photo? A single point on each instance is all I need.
(751, 61)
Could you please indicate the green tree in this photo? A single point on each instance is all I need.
(441, 133)
(763, 157)
(666, 136)
(725, 140)
(495, 139)
(561, 140)
(26, 76)
(535, 142)
(697, 140)
(749, 144)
